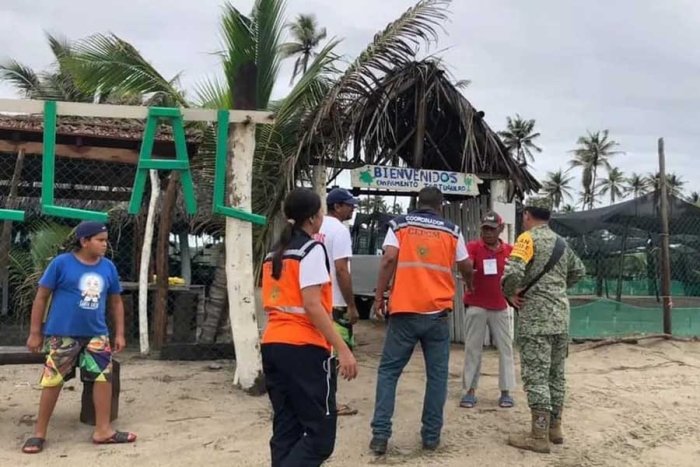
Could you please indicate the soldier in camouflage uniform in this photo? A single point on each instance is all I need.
(543, 323)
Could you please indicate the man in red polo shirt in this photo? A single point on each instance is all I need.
(487, 306)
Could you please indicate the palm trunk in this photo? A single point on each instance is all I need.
(217, 301)
(160, 309)
(145, 261)
(185, 258)
(320, 181)
(239, 263)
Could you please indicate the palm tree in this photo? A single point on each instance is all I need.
(557, 187)
(594, 151)
(637, 185)
(588, 201)
(373, 204)
(614, 184)
(307, 37)
(57, 83)
(674, 183)
(397, 209)
(568, 208)
(519, 138)
(694, 198)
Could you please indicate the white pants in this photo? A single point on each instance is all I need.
(476, 324)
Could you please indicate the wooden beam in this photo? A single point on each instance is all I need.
(63, 193)
(367, 192)
(122, 156)
(78, 109)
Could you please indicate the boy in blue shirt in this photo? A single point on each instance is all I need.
(78, 286)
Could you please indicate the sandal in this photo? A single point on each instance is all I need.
(506, 402)
(119, 437)
(345, 410)
(36, 443)
(468, 401)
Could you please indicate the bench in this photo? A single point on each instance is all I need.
(22, 356)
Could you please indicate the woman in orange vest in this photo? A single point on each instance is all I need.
(298, 342)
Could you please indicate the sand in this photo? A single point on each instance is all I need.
(628, 405)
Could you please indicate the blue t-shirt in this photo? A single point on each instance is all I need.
(79, 299)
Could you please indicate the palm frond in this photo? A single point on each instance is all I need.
(22, 77)
(237, 33)
(111, 64)
(269, 22)
(213, 93)
(394, 47)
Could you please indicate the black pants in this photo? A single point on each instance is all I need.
(301, 382)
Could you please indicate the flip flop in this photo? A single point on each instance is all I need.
(506, 402)
(468, 401)
(345, 410)
(119, 437)
(37, 443)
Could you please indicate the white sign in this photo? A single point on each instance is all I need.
(413, 180)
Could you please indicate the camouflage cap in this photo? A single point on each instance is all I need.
(540, 202)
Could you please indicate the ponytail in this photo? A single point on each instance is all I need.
(300, 205)
(282, 245)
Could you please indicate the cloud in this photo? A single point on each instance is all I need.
(630, 66)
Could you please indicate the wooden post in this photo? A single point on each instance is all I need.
(6, 238)
(239, 240)
(665, 258)
(145, 261)
(160, 307)
(419, 141)
(320, 180)
(185, 258)
(87, 406)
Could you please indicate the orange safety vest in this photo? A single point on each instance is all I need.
(423, 282)
(287, 321)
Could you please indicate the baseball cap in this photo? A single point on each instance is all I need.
(89, 229)
(340, 196)
(492, 220)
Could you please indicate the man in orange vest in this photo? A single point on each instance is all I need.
(420, 250)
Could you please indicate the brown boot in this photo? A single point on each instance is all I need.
(556, 435)
(537, 440)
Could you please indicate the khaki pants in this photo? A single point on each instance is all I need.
(477, 320)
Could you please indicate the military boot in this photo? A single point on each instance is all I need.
(556, 435)
(538, 438)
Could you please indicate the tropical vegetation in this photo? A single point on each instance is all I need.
(519, 138)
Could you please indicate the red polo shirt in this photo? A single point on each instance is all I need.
(487, 287)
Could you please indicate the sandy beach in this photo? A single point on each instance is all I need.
(628, 405)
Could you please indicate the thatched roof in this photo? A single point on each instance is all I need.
(104, 128)
(381, 124)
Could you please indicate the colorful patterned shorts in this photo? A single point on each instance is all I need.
(64, 354)
(343, 326)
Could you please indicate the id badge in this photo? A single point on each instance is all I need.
(490, 267)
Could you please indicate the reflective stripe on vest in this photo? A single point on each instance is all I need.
(288, 322)
(436, 267)
(427, 249)
(297, 310)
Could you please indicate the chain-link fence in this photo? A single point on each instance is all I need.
(621, 248)
(192, 320)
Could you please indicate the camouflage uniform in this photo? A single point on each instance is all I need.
(543, 319)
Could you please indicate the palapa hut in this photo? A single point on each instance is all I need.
(415, 116)
(412, 115)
